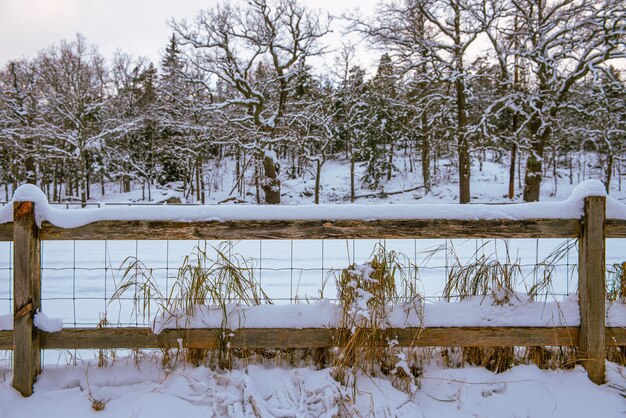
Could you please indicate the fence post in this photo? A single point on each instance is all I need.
(591, 288)
(26, 297)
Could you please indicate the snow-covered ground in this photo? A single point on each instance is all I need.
(489, 184)
(145, 390)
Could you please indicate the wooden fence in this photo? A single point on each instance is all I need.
(591, 338)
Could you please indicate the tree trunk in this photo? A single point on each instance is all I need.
(534, 169)
(609, 172)
(257, 185)
(390, 163)
(540, 136)
(83, 192)
(571, 168)
(55, 192)
(198, 174)
(461, 108)
(352, 164)
(619, 174)
(425, 154)
(464, 173)
(29, 165)
(202, 187)
(318, 177)
(126, 183)
(555, 174)
(271, 184)
(464, 159)
(512, 171)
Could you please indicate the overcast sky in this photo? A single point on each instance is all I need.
(138, 27)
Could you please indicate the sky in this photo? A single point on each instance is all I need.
(137, 27)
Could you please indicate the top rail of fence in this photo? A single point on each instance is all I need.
(389, 221)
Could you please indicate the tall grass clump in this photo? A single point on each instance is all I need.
(495, 277)
(616, 293)
(485, 275)
(367, 293)
(202, 280)
(553, 357)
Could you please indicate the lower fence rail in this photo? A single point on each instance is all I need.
(211, 338)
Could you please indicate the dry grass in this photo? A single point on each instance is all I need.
(498, 276)
(224, 279)
(616, 293)
(485, 275)
(366, 295)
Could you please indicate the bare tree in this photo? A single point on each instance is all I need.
(432, 39)
(19, 116)
(561, 42)
(231, 43)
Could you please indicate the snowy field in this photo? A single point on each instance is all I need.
(144, 390)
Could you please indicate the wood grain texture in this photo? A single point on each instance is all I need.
(592, 289)
(130, 337)
(615, 228)
(316, 229)
(26, 297)
(560, 228)
(6, 340)
(6, 232)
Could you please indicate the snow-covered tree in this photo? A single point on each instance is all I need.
(231, 44)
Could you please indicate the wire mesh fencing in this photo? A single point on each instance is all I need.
(79, 278)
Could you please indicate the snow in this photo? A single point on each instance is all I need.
(616, 314)
(145, 390)
(321, 314)
(6, 213)
(570, 208)
(30, 193)
(271, 154)
(477, 311)
(41, 321)
(46, 324)
(6, 322)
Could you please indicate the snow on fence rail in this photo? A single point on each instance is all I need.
(587, 215)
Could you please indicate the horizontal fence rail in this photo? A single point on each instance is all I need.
(322, 229)
(591, 338)
(143, 337)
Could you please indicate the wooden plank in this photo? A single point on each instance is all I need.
(591, 288)
(26, 297)
(316, 229)
(97, 338)
(6, 340)
(6, 232)
(615, 228)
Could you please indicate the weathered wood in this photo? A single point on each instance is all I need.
(6, 232)
(6, 340)
(316, 229)
(560, 228)
(27, 297)
(101, 338)
(615, 228)
(591, 288)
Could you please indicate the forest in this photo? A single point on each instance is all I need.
(535, 85)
